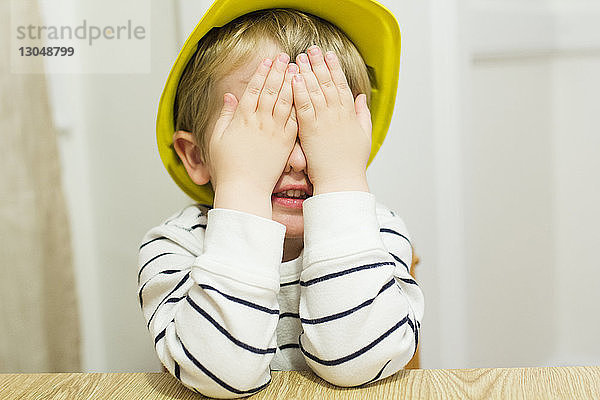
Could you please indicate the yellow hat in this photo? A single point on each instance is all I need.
(372, 28)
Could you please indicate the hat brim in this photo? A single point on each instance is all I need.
(371, 27)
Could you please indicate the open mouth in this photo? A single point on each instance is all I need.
(291, 194)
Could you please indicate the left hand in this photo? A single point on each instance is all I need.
(333, 127)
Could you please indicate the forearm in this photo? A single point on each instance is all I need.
(360, 319)
(218, 344)
(213, 312)
(243, 197)
(342, 183)
(358, 325)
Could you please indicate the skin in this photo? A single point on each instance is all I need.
(277, 126)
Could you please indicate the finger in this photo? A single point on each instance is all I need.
(230, 104)
(292, 121)
(323, 75)
(363, 114)
(339, 78)
(305, 112)
(283, 106)
(272, 86)
(249, 100)
(311, 83)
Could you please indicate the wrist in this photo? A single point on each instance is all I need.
(243, 197)
(356, 182)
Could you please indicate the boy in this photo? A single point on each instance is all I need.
(295, 265)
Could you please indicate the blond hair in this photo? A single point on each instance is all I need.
(292, 30)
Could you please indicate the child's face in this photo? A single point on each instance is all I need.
(285, 211)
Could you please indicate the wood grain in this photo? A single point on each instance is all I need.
(484, 383)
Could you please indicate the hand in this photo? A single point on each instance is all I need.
(334, 128)
(252, 139)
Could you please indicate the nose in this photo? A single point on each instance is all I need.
(297, 159)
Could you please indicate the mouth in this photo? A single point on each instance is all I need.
(292, 194)
(291, 199)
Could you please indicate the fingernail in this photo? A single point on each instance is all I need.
(284, 58)
(267, 62)
(293, 68)
(330, 55)
(303, 58)
(313, 50)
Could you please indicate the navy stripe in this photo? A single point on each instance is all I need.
(393, 232)
(174, 299)
(416, 339)
(140, 294)
(289, 314)
(416, 332)
(165, 299)
(289, 346)
(168, 272)
(289, 283)
(376, 376)
(411, 281)
(199, 226)
(153, 240)
(356, 353)
(345, 272)
(401, 262)
(350, 311)
(149, 261)
(241, 301)
(160, 336)
(177, 372)
(219, 381)
(227, 334)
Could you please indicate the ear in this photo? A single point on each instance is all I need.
(189, 154)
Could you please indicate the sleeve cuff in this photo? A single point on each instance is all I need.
(243, 246)
(338, 224)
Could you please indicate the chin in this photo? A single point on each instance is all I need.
(294, 225)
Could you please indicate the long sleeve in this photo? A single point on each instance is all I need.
(360, 309)
(207, 285)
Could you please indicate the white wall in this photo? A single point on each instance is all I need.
(577, 195)
(508, 192)
(531, 169)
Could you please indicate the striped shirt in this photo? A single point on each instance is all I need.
(224, 311)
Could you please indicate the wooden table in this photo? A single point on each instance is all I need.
(484, 383)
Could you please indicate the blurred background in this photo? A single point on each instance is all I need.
(492, 160)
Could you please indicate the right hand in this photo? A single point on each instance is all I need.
(253, 138)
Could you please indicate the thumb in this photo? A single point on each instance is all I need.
(230, 103)
(363, 113)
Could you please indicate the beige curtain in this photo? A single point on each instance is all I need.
(39, 328)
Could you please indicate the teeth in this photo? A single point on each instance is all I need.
(297, 194)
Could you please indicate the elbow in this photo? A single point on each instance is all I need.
(342, 376)
(370, 363)
(217, 375)
(240, 384)
(355, 374)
